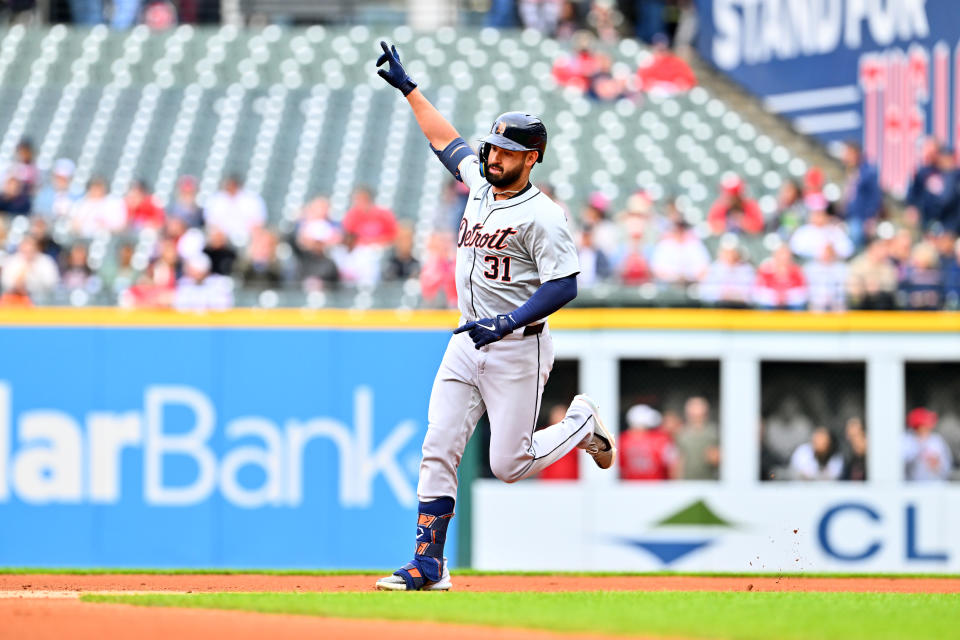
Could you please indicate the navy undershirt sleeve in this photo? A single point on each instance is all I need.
(550, 297)
(453, 154)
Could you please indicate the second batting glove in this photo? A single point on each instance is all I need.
(394, 74)
(488, 330)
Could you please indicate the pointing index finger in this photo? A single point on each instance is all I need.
(465, 327)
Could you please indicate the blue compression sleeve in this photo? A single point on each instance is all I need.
(453, 154)
(545, 300)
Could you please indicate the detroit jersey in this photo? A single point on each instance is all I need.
(507, 248)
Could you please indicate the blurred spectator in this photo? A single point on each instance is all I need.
(733, 211)
(199, 290)
(820, 230)
(920, 284)
(76, 272)
(926, 187)
(184, 205)
(315, 224)
(679, 257)
(439, 270)
(817, 459)
(400, 263)
(665, 71)
(855, 454)
(357, 264)
(567, 467)
(569, 20)
(697, 443)
(576, 70)
(605, 232)
(314, 235)
(813, 181)
(951, 278)
(120, 274)
(370, 224)
(142, 210)
(872, 278)
(502, 14)
(594, 264)
(16, 295)
(950, 201)
(780, 282)
(55, 199)
(826, 278)
(97, 211)
(455, 195)
(729, 280)
(605, 20)
(899, 249)
(24, 167)
(633, 267)
(791, 212)
(862, 197)
(40, 231)
(90, 12)
(786, 429)
(649, 22)
(604, 85)
(646, 450)
(157, 285)
(29, 270)
(235, 210)
(539, 15)
(222, 255)
(259, 269)
(925, 452)
(14, 198)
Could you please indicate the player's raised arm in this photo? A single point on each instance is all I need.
(443, 137)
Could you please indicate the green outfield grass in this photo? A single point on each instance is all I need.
(699, 614)
(85, 571)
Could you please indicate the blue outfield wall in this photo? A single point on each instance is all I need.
(212, 447)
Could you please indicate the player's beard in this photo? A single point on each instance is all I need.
(506, 178)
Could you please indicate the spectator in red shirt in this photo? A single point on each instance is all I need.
(368, 222)
(733, 211)
(439, 271)
(665, 71)
(780, 282)
(567, 467)
(646, 450)
(142, 209)
(576, 70)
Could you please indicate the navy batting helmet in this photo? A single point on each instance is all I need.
(515, 131)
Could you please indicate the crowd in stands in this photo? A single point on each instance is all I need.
(806, 253)
(190, 256)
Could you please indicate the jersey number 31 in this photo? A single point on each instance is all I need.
(494, 272)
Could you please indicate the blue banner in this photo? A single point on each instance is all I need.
(884, 72)
(212, 447)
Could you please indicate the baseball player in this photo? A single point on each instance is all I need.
(516, 264)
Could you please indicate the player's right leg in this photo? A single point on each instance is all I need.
(455, 409)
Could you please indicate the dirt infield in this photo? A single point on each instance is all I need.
(41, 607)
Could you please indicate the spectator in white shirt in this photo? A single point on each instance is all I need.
(35, 271)
(818, 459)
(826, 281)
(55, 200)
(729, 280)
(98, 210)
(199, 290)
(925, 452)
(808, 241)
(679, 257)
(235, 210)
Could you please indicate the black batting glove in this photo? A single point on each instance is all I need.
(394, 74)
(488, 330)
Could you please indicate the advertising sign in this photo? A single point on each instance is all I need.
(212, 447)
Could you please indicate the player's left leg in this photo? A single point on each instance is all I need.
(511, 383)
